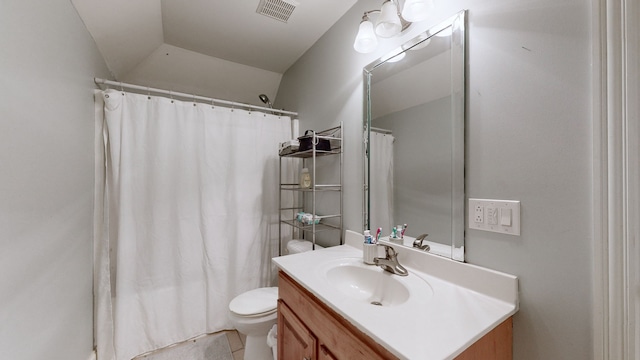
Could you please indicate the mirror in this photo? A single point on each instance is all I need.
(414, 140)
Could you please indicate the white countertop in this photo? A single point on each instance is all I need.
(464, 301)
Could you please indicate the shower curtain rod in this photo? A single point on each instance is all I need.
(122, 85)
(382, 131)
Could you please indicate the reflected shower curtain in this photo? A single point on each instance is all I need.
(189, 217)
(381, 182)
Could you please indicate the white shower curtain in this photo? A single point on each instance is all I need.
(381, 181)
(190, 217)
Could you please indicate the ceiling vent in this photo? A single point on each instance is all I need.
(277, 9)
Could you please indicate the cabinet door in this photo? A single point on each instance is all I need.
(343, 340)
(295, 341)
(325, 354)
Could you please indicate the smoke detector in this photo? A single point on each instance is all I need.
(277, 9)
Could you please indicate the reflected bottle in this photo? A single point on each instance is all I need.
(305, 178)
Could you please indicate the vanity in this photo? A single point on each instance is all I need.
(333, 306)
(310, 329)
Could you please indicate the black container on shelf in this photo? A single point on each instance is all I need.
(306, 142)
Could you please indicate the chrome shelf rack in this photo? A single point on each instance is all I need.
(305, 198)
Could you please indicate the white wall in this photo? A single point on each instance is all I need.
(528, 138)
(173, 68)
(48, 63)
(126, 32)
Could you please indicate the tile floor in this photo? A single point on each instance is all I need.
(236, 344)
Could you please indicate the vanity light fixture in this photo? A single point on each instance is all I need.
(366, 40)
(416, 10)
(391, 22)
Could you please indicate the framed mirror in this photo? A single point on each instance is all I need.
(414, 140)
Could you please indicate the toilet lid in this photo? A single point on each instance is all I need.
(253, 302)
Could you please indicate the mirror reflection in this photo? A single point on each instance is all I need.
(414, 153)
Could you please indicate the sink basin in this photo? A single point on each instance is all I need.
(370, 284)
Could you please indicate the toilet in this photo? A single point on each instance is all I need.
(296, 246)
(254, 312)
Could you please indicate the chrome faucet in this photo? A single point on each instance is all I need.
(418, 243)
(390, 261)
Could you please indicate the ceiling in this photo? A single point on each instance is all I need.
(127, 32)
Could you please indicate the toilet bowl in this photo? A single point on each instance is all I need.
(295, 246)
(254, 312)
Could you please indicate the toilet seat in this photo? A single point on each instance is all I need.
(255, 303)
(257, 315)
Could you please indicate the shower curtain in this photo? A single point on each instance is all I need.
(187, 217)
(381, 181)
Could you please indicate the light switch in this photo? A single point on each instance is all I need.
(505, 217)
(502, 216)
(492, 216)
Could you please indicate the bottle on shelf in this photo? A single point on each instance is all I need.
(305, 178)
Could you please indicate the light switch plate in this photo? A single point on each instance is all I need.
(497, 215)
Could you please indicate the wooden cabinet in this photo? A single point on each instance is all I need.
(496, 345)
(309, 330)
(325, 354)
(295, 340)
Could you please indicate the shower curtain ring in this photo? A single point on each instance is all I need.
(212, 106)
(148, 93)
